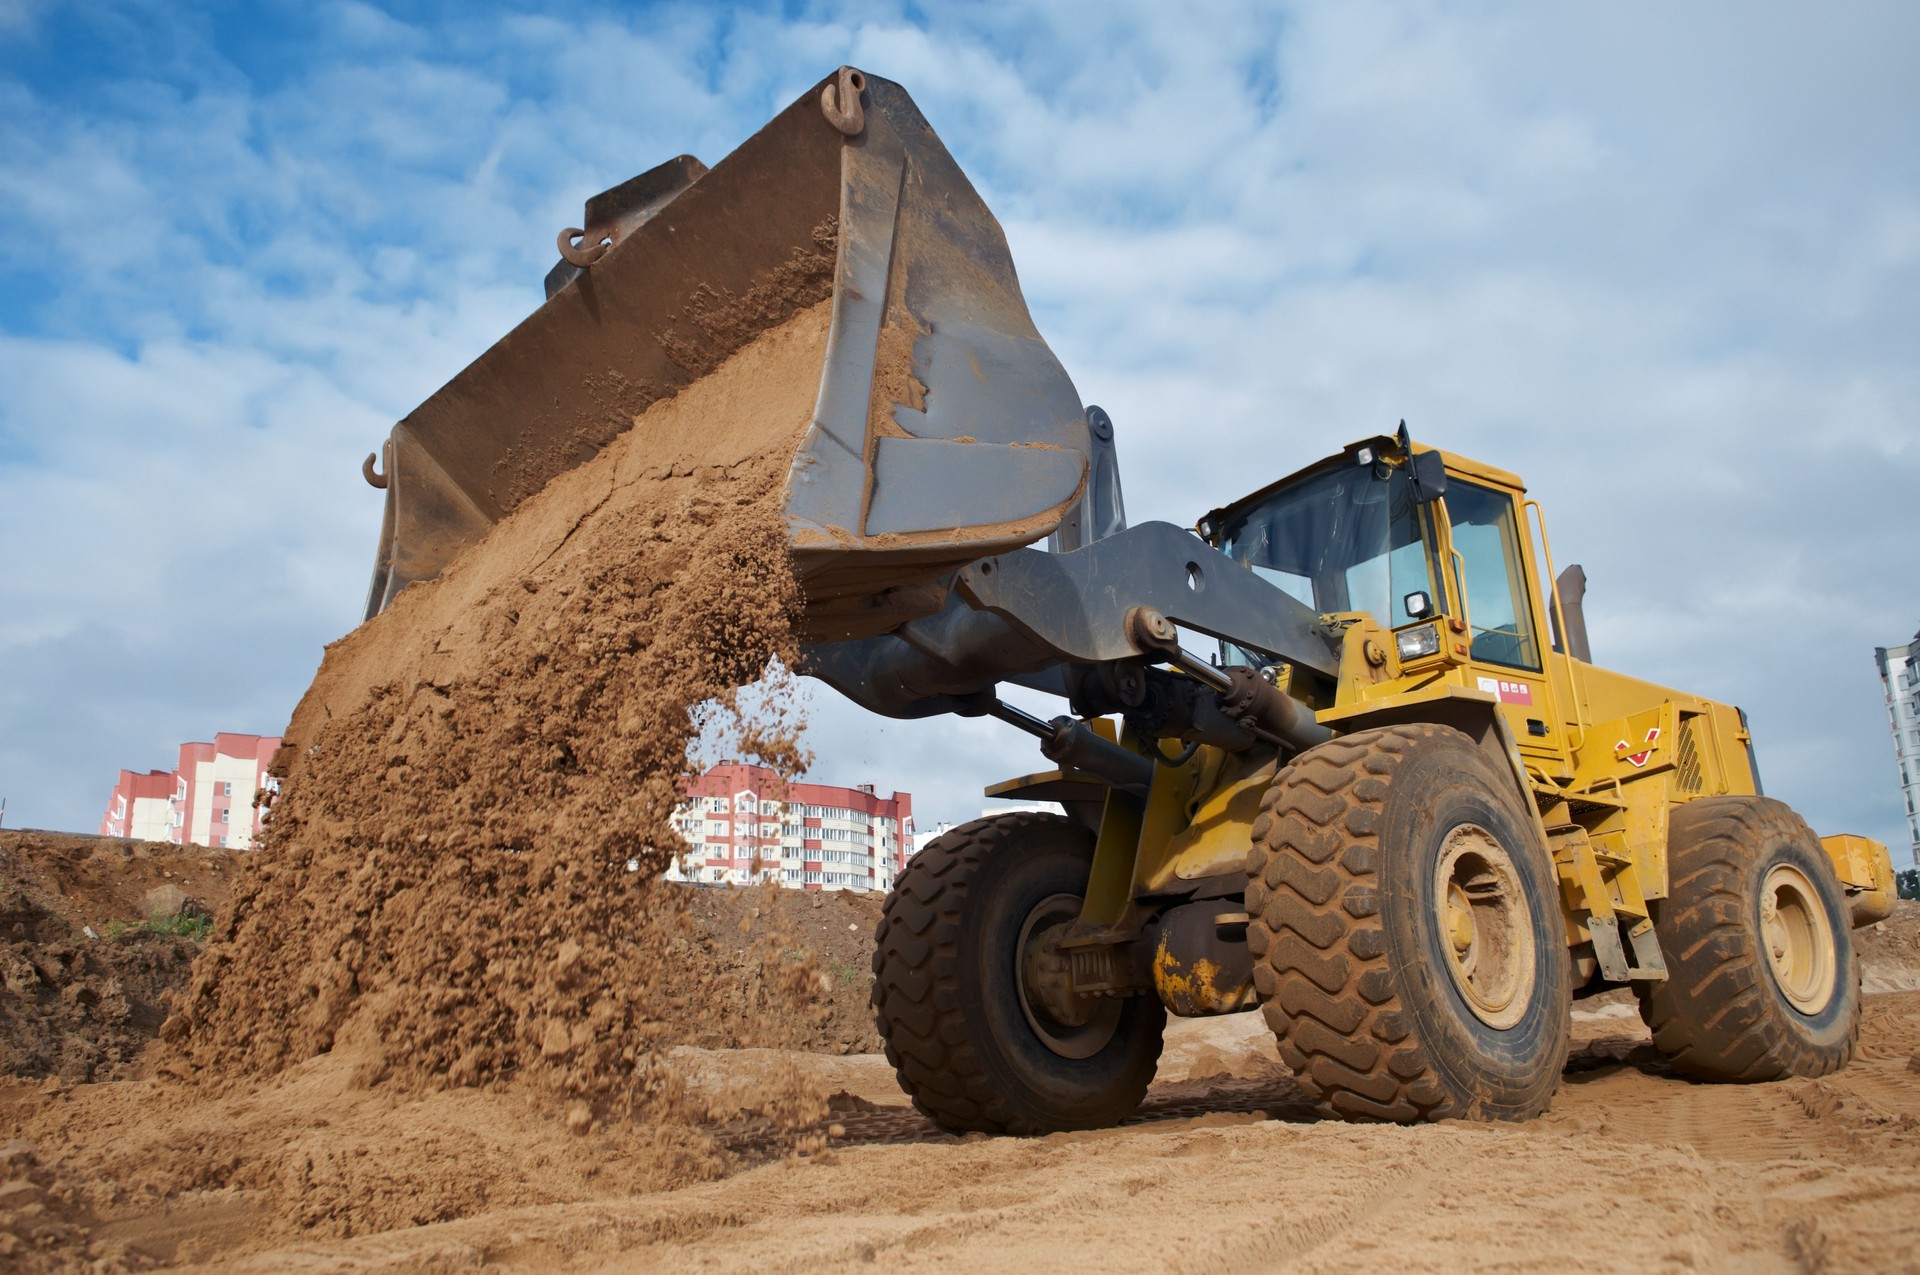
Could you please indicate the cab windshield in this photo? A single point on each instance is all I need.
(1344, 539)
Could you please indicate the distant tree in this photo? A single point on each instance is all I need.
(1909, 883)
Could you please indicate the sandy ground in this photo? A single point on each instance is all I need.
(1225, 1169)
(1631, 1171)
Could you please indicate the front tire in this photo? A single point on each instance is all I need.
(1762, 980)
(1411, 956)
(967, 990)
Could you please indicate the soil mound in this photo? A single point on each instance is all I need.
(829, 931)
(77, 1011)
(76, 1007)
(97, 881)
(1890, 950)
(459, 882)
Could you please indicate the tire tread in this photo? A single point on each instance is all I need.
(1333, 1008)
(1742, 1036)
(917, 989)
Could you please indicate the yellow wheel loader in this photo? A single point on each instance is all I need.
(1338, 753)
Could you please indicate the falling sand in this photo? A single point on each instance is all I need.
(473, 771)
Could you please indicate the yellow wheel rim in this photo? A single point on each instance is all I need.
(1798, 938)
(1485, 927)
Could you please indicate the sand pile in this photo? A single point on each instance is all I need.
(1890, 950)
(446, 889)
(76, 1007)
(835, 931)
(96, 881)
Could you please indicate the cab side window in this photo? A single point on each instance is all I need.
(1486, 535)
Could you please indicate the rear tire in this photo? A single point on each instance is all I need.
(1762, 980)
(1410, 952)
(974, 1047)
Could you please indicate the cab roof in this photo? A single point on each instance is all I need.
(1386, 445)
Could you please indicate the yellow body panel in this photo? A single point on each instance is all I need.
(1222, 803)
(1866, 870)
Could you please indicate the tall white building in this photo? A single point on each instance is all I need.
(743, 824)
(1900, 676)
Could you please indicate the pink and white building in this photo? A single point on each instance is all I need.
(743, 823)
(206, 800)
(141, 807)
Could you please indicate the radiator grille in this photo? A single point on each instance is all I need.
(1687, 775)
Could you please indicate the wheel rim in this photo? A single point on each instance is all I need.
(1485, 926)
(1069, 1025)
(1798, 937)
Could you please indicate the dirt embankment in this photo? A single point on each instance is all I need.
(1890, 951)
(76, 1008)
(84, 973)
(832, 932)
(98, 881)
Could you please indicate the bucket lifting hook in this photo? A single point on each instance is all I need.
(840, 101)
(367, 472)
(592, 245)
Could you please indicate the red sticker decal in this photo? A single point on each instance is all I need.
(1639, 759)
(1508, 692)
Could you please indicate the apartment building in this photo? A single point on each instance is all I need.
(141, 807)
(743, 823)
(205, 800)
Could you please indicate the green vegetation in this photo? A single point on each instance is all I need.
(186, 925)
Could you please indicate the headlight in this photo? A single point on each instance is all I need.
(1417, 644)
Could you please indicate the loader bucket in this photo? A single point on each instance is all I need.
(944, 428)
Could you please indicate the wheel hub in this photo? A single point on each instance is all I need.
(1798, 938)
(1485, 926)
(1459, 921)
(1071, 1025)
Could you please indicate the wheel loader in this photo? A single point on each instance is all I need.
(1337, 753)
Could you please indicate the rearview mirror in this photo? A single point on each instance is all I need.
(1429, 477)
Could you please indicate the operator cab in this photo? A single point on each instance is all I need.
(1431, 546)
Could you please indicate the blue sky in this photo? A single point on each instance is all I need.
(1663, 261)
